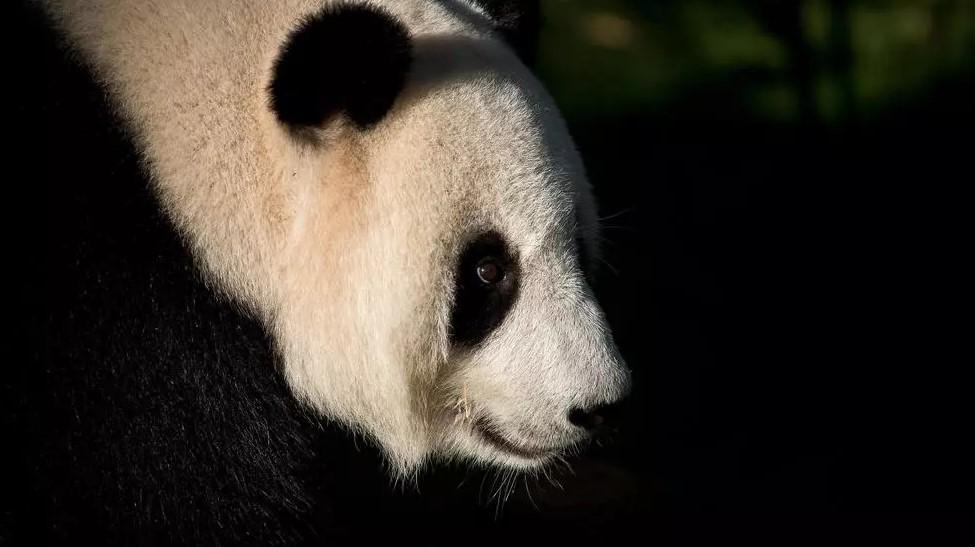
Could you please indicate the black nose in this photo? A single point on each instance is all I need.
(597, 417)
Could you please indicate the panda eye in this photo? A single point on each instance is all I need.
(486, 287)
(489, 271)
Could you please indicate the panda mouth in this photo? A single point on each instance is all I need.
(489, 431)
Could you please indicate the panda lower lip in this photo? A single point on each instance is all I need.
(489, 433)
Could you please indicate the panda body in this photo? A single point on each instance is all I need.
(255, 258)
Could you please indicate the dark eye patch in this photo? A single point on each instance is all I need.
(487, 280)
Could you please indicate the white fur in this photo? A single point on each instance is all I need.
(346, 248)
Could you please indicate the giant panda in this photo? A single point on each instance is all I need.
(262, 223)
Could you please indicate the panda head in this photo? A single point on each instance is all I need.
(433, 292)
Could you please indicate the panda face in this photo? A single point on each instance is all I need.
(456, 308)
(477, 202)
(451, 318)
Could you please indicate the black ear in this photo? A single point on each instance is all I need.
(349, 59)
(518, 21)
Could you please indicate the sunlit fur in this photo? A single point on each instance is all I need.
(345, 244)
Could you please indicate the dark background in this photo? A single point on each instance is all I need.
(783, 183)
(783, 191)
(786, 241)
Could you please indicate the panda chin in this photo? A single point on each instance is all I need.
(488, 432)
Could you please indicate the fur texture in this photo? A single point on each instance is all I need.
(150, 410)
(211, 286)
(344, 247)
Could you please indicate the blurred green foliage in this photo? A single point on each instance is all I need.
(780, 61)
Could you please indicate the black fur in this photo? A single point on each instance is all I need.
(137, 407)
(345, 59)
(479, 308)
(519, 22)
(144, 409)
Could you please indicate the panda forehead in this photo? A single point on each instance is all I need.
(477, 152)
(440, 17)
(482, 131)
(485, 162)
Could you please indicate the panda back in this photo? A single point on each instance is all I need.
(149, 409)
